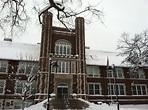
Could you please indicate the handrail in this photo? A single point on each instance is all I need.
(66, 101)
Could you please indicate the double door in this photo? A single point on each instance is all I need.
(62, 91)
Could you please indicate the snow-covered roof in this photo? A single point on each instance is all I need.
(98, 57)
(19, 51)
(31, 52)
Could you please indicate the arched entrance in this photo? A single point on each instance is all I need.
(62, 91)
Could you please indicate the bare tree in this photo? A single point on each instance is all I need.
(27, 88)
(14, 12)
(64, 12)
(27, 84)
(135, 49)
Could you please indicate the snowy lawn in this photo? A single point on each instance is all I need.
(93, 106)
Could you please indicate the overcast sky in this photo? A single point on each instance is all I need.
(119, 16)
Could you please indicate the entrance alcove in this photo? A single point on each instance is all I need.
(63, 85)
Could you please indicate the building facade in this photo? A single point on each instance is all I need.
(68, 49)
(118, 83)
(80, 70)
(18, 63)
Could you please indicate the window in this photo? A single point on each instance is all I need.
(118, 73)
(62, 47)
(110, 73)
(7, 104)
(19, 87)
(17, 105)
(93, 71)
(73, 67)
(3, 66)
(33, 87)
(28, 68)
(64, 67)
(139, 89)
(139, 73)
(119, 87)
(94, 89)
(2, 85)
(22, 86)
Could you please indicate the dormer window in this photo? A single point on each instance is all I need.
(63, 47)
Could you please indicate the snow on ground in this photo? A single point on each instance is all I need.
(93, 106)
(38, 106)
(135, 107)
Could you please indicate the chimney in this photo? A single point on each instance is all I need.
(8, 39)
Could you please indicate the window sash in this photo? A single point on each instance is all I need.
(2, 86)
(73, 67)
(139, 74)
(110, 74)
(28, 68)
(120, 88)
(139, 90)
(93, 71)
(17, 105)
(3, 66)
(19, 87)
(64, 67)
(62, 48)
(94, 89)
(118, 73)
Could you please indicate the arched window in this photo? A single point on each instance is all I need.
(62, 47)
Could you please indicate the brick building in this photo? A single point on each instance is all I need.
(80, 70)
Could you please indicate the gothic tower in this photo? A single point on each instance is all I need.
(67, 48)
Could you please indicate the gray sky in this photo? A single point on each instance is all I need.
(119, 16)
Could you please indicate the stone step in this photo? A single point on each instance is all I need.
(73, 104)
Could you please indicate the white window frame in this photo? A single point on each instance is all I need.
(64, 67)
(73, 67)
(4, 82)
(110, 73)
(62, 47)
(117, 69)
(1, 61)
(18, 103)
(114, 89)
(22, 88)
(31, 64)
(140, 74)
(100, 89)
(16, 87)
(136, 85)
(93, 73)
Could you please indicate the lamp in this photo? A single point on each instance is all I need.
(113, 69)
(54, 64)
